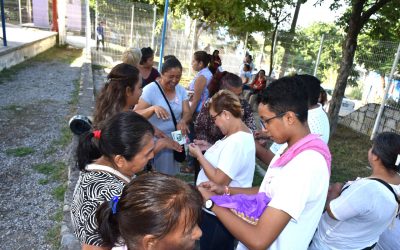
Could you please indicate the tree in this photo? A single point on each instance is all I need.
(356, 19)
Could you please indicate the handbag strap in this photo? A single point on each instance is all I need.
(385, 184)
(166, 100)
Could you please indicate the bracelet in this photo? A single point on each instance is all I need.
(227, 191)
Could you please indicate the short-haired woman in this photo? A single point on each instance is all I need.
(132, 56)
(155, 211)
(229, 162)
(108, 159)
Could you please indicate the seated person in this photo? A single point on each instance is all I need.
(259, 82)
(358, 213)
(246, 76)
(296, 181)
(154, 211)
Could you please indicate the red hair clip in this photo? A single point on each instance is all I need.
(97, 134)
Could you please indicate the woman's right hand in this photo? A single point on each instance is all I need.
(212, 187)
(160, 112)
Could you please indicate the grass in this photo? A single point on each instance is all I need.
(349, 151)
(53, 171)
(75, 93)
(53, 236)
(20, 152)
(13, 107)
(65, 137)
(59, 192)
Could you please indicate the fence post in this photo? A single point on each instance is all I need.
(3, 23)
(19, 12)
(153, 34)
(319, 55)
(88, 31)
(96, 20)
(380, 113)
(164, 29)
(132, 18)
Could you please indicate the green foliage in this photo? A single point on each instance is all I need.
(54, 171)
(20, 152)
(356, 93)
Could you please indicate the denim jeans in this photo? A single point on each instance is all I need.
(215, 235)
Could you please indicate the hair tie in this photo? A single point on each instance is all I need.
(398, 160)
(97, 134)
(113, 204)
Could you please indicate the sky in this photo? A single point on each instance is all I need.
(309, 14)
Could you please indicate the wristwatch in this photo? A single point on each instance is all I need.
(209, 205)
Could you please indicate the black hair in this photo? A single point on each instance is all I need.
(169, 57)
(146, 54)
(230, 79)
(214, 52)
(313, 87)
(202, 56)
(151, 204)
(246, 66)
(386, 146)
(286, 94)
(122, 135)
(170, 63)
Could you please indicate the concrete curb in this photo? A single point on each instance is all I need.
(85, 107)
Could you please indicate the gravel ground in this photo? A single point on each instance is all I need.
(35, 104)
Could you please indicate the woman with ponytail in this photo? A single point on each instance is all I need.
(108, 159)
(154, 211)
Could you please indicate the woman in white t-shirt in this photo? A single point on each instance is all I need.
(296, 181)
(229, 162)
(357, 214)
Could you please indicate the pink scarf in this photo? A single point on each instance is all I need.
(310, 142)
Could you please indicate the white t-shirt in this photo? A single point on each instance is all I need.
(390, 239)
(363, 211)
(318, 123)
(299, 189)
(235, 156)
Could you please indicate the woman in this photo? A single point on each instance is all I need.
(121, 93)
(359, 213)
(215, 62)
(246, 76)
(147, 71)
(297, 179)
(132, 56)
(259, 82)
(229, 162)
(153, 106)
(200, 82)
(204, 126)
(108, 159)
(155, 211)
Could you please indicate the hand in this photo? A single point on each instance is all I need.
(160, 112)
(182, 126)
(212, 187)
(158, 133)
(334, 190)
(202, 144)
(170, 144)
(194, 150)
(205, 193)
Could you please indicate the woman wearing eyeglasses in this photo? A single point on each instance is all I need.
(229, 162)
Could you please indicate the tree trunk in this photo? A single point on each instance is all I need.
(348, 51)
(292, 31)
(271, 57)
(198, 29)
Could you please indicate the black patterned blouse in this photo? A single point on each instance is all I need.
(92, 189)
(205, 128)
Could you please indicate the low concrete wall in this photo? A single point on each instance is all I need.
(363, 119)
(18, 54)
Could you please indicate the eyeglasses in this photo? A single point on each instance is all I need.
(266, 121)
(214, 117)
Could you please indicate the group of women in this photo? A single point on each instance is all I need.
(114, 208)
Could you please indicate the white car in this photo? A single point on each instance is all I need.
(347, 105)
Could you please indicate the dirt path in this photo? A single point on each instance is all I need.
(36, 100)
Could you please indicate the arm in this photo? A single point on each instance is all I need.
(333, 192)
(265, 155)
(146, 110)
(92, 247)
(186, 117)
(166, 142)
(199, 86)
(213, 174)
(270, 225)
